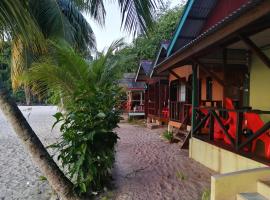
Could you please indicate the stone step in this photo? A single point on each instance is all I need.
(263, 188)
(152, 126)
(251, 196)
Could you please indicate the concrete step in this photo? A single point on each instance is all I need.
(152, 126)
(263, 188)
(251, 196)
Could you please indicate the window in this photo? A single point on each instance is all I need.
(182, 92)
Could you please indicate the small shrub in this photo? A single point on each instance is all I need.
(206, 194)
(168, 135)
(180, 175)
(86, 149)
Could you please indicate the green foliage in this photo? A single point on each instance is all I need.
(42, 178)
(168, 135)
(146, 46)
(180, 175)
(206, 194)
(91, 98)
(86, 148)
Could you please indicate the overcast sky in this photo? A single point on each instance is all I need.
(111, 31)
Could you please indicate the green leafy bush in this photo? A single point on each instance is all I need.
(87, 144)
(90, 95)
(168, 135)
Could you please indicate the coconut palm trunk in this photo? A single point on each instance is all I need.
(27, 94)
(41, 158)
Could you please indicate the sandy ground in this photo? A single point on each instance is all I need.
(147, 167)
(19, 178)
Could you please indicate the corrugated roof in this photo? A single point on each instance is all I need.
(128, 81)
(191, 23)
(245, 7)
(222, 23)
(146, 66)
(161, 55)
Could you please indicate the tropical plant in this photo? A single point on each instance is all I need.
(62, 19)
(55, 19)
(168, 135)
(91, 100)
(145, 47)
(17, 22)
(206, 195)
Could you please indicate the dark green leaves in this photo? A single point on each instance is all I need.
(91, 101)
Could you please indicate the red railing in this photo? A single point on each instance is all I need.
(180, 112)
(242, 131)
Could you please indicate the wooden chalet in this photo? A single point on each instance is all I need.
(157, 93)
(219, 65)
(135, 91)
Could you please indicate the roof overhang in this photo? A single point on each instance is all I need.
(143, 73)
(216, 35)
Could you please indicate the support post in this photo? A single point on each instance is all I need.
(211, 128)
(159, 99)
(195, 92)
(239, 122)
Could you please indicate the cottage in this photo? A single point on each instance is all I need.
(135, 93)
(157, 93)
(221, 49)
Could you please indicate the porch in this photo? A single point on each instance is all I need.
(157, 101)
(230, 76)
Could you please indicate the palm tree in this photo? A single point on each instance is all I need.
(64, 71)
(18, 23)
(55, 19)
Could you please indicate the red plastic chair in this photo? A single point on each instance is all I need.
(231, 121)
(254, 123)
(218, 132)
(165, 112)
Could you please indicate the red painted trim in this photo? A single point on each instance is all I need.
(222, 9)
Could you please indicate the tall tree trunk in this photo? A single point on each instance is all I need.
(27, 95)
(59, 182)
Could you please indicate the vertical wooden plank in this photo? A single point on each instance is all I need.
(195, 95)
(211, 128)
(169, 102)
(239, 123)
(159, 98)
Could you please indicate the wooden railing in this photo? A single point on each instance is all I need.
(179, 111)
(152, 108)
(209, 121)
(175, 108)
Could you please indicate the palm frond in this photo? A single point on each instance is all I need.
(15, 19)
(137, 15)
(67, 72)
(61, 19)
(82, 33)
(95, 8)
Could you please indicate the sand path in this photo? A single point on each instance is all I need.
(19, 178)
(147, 167)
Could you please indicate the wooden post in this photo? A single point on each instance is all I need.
(195, 91)
(159, 99)
(169, 101)
(211, 128)
(239, 122)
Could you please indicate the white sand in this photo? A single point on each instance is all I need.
(149, 168)
(19, 178)
(146, 166)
